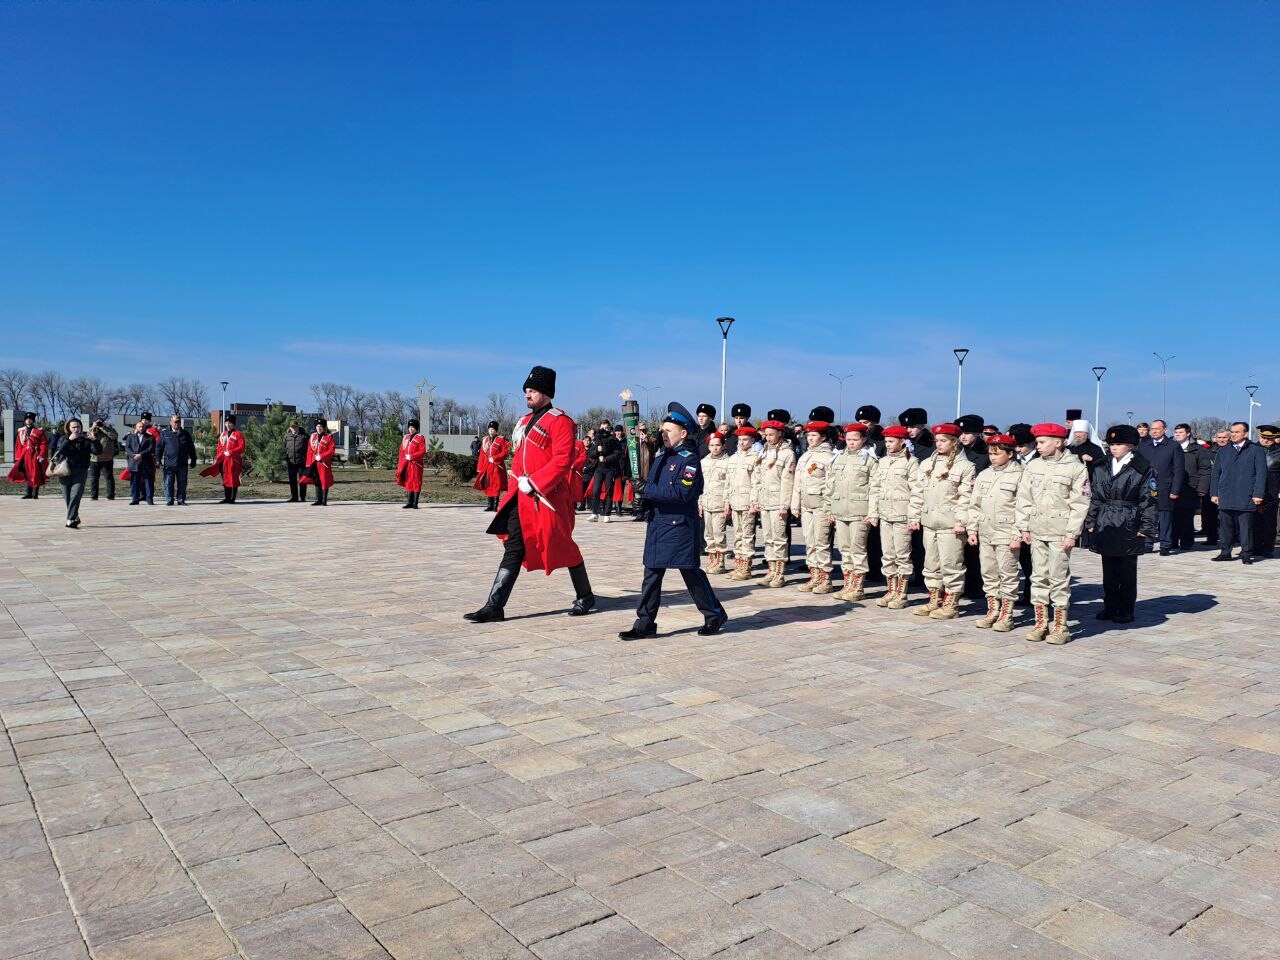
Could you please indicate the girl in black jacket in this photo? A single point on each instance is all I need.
(1121, 520)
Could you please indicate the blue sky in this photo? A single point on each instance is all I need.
(277, 193)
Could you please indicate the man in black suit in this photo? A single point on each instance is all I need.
(1199, 467)
(176, 452)
(1163, 453)
(140, 453)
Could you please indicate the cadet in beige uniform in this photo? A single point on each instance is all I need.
(1053, 501)
(743, 499)
(892, 492)
(713, 504)
(993, 529)
(847, 502)
(944, 501)
(807, 502)
(777, 471)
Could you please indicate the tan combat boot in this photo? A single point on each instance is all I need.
(824, 583)
(1061, 632)
(1004, 623)
(720, 567)
(993, 614)
(808, 585)
(891, 587)
(1041, 629)
(777, 577)
(949, 609)
(899, 600)
(741, 570)
(853, 588)
(934, 603)
(709, 564)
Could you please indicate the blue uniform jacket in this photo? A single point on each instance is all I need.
(671, 494)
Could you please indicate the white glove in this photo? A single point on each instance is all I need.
(525, 486)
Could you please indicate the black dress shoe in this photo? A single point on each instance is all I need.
(1124, 618)
(1247, 561)
(485, 615)
(1221, 557)
(634, 634)
(713, 626)
(582, 606)
(1105, 615)
(1165, 551)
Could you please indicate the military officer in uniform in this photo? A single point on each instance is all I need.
(1053, 500)
(671, 539)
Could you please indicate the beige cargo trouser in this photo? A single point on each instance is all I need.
(817, 539)
(851, 538)
(895, 548)
(714, 523)
(1000, 569)
(943, 560)
(1050, 572)
(744, 534)
(775, 534)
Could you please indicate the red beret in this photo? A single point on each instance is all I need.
(857, 427)
(745, 432)
(1002, 440)
(947, 430)
(1049, 430)
(717, 436)
(776, 424)
(816, 426)
(898, 432)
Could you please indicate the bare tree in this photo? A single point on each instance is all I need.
(1205, 427)
(196, 400)
(48, 390)
(89, 396)
(500, 408)
(135, 399)
(14, 385)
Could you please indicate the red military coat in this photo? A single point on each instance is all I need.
(576, 484)
(320, 449)
(491, 466)
(30, 456)
(544, 454)
(413, 458)
(230, 461)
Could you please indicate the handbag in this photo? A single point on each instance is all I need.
(61, 469)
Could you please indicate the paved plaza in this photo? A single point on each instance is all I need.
(265, 731)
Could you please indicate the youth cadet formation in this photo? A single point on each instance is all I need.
(959, 508)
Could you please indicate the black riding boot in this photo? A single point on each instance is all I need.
(586, 600)
(408, 501)
(504, 582)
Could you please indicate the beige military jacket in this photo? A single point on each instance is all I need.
(1053, 497)
(848, 492)
(944, 497)
(743, 480)
(811, 479)
(896, 481)
(715, 482)
(995, 504)
(777, 475)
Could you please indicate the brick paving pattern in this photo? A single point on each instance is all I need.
(265, 731)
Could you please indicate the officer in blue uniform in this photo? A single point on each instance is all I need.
(671, 540)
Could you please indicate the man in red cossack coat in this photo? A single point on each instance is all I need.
(320, 449)
(491, 466)
(30, 457)
(413, 458)
(535, 520)
(230, 460)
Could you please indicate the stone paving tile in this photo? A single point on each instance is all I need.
(289, 768)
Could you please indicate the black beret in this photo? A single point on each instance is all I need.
(969, 423)
(542, 379)
(1123, 433)
(913, 417)
(706, 408)
(825, 414)
(741, 410)
(868, 411)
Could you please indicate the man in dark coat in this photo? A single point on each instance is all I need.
(1198, 463)
(705, 428)
(671, 541)
(920, 443)
(604, 454)
(140, 453)
(176, 451)
(1209, 509)
(1163, 453)
(1238, 486)
(295, 460)
(1264, 540)
(974, 449)
(1121, 518)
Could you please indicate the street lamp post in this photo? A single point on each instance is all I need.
(840, 405)
(1097, 397)
(1251, 390)
(1130, 415)
(724, 323)
(222, 414)
(961, 353)
(1164, 382)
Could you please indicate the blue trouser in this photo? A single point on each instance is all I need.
(142, 484)
(1236, 526)
(651, 595)
(1166, 529)
(175, 478)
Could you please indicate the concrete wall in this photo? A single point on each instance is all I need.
(454, 442)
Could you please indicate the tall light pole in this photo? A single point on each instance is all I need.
(840, 405)
(222, 415)
(1130, 415)
(1097, 397)
(961, 353)
(1164, 382)
(1251, 390)
(724, 323)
